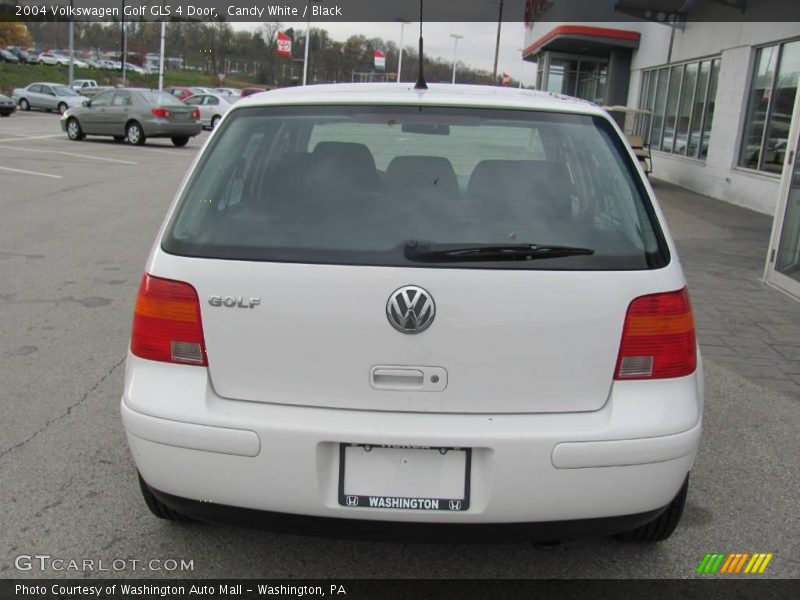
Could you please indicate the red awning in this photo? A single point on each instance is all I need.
(604, 36)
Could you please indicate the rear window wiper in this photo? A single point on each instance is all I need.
(426, 252)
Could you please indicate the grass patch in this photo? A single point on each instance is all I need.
(14, 76)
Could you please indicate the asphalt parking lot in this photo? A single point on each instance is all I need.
(77, 222)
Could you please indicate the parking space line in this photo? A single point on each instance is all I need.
(32, 137)
(30, 172)
(101, 158)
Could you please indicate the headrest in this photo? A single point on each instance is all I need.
(433, 173)
(543, 186)
(349, 163)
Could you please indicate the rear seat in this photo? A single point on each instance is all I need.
(423, 177)
(522, 189)
(347, 165)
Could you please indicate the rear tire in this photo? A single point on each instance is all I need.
(158, 508)
(181, 141)
(214, 120)
(24, 104)
(135, 134)
(74, 131)
(660, 528)
(62, 108)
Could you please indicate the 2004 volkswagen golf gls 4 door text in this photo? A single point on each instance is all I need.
(450, 310)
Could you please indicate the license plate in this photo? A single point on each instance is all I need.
(408, 478)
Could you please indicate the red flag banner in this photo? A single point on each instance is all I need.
(284, 45)
(380, 60)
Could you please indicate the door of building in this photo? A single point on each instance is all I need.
(783, 262)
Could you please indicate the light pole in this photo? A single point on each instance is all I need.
(455, 37)
(400, 49)
(71, 48)
(161, 58)
(124, 48)
(521, 64)
(308, 35)
(497, 44)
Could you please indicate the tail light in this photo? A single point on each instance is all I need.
(196, 113)
(166, 323)
(161, 113)
(658, 340)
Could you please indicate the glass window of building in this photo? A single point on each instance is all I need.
(670, 115)
(773, 88)
(682, 99)
(573, 76)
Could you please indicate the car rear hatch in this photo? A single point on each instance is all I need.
(499, 342)
(294, 296)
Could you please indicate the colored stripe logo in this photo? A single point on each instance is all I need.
(734, 563)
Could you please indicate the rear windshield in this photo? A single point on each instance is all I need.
(61, 90)
(162, 98)
(362, 184)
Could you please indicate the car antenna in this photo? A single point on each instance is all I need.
(420, 85)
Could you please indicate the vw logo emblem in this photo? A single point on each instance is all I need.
(410, 309)
(455, 504)
(352, 501)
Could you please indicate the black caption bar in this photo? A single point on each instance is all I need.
(666, 11)
(416, 589)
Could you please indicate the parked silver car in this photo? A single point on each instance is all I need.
(46, 96)
(226, 91)
(211, 106)
(133, 114)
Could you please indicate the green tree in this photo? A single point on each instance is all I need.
(14, 34)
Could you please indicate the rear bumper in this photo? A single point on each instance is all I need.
(164, 128)
(629, 458)
(402, 531)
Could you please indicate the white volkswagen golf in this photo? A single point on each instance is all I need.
(457, 309)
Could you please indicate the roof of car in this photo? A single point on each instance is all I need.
(479, 96)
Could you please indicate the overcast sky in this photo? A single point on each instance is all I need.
(476, 49)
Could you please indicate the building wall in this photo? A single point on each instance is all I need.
(718, 176)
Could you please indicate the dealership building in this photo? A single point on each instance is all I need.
(721, 88)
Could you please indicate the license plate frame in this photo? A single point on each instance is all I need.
(416, 503)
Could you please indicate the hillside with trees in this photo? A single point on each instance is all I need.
(215, 48)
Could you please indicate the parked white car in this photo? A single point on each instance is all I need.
(47, 96)
(51, 58)
(372, 305)
(133, 68)
(78, 84)
(212, 107)
(61, 60)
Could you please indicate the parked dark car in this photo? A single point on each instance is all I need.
(23, 56)
(133, 114)
(7, 56)
(7, 106)
(252, 90)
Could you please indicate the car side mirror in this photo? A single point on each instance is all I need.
(87, 103)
